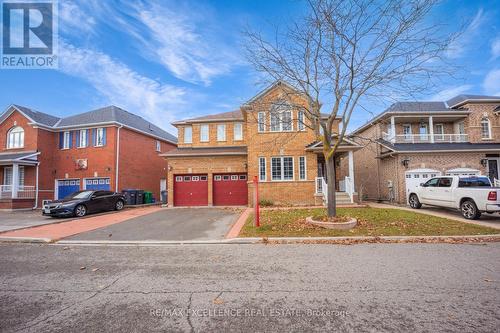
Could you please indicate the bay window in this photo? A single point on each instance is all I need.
(281, 117)
(238, 131)
(261, 120)
(300, 121)
(221, 132)
(188, 134)
(204, 135)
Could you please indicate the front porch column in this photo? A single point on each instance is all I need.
(431, 128)
(351, 169)
(393, 130)
(15, 180)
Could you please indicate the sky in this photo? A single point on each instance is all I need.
(168, 60)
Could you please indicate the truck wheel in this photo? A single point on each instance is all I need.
(469, 210)
(414, 202)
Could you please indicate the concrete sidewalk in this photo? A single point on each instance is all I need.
(486, 220)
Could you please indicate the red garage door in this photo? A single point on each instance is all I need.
(230, 190)
(190, 190)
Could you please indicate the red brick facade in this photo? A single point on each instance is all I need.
(139, 165)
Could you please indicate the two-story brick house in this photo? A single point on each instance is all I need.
(43, 157)
(413, 141)
(268, 137)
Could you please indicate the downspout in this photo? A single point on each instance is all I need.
(36, 190)
(117, 157)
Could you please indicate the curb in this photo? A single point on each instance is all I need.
(238, 225)
(24, 240)
(270, 240)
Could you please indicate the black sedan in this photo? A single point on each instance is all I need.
(82, 203)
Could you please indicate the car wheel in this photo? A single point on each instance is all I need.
(469, 210)
(119, 205)
(414, 202)
(80, 211)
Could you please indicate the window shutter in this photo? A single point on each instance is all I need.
(104, 136)
(70, 139)
(77, 138)
(61, 140)
(94, 136)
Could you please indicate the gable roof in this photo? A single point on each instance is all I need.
(464, 99)
(418, 106)
(224, 116)
(107, 115)
(33, 115)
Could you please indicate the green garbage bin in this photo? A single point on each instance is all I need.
(148, 197)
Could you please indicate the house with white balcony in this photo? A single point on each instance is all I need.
(413, 141)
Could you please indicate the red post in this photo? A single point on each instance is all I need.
(256, 201)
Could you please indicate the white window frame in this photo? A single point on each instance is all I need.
(262, 175)
(15, 138)
(278, 114)
(188, 138)
(221, 132)
(485, 121)
(282, 167)
(158, 146)
(99, 137)
(66, 139)
(301, 125)
(204, 133)
(238, 135)
(9, 171)
(83, 143)
(305, 168)
(261, 122)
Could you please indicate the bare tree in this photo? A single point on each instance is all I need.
(344, 51)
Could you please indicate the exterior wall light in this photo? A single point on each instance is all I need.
(405, 162)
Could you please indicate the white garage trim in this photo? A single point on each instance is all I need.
(415, 177)
(463, 172)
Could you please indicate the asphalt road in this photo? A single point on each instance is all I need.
(174, 224)
(255, 288)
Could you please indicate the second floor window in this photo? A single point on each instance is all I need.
(221, 132)
(204, 136)
(238, 131)
(281, 117)
(485, 128)
(100, 137)
(82, 139)
(66, 144)
(158, 146)
(261, 119)
(15, 138)
(188, 134)
(300, 121)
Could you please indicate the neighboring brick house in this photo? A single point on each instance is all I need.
(43, 157)
(413, 141)
(269, 138)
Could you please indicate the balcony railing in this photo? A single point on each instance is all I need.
(23, 192)
(426, 138)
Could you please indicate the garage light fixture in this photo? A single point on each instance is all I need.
(484, 162)
(405, 162)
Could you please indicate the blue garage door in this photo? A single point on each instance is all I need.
(96, 184)
(66, 187)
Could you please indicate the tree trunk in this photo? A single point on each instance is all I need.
(330, 172)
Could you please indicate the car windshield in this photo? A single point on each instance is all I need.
(474, 182)
(79, 195)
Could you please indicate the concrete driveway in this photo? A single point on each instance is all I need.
(169, 224)
(24, 219)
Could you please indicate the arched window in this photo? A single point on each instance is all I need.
(485, 128)
(15, 138)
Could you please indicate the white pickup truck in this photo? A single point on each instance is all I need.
(473, 195)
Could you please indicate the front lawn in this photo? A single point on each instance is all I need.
(371, 222)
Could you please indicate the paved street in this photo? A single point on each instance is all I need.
(168, 225)
(370, 287)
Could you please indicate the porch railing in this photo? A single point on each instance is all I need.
(23, 192)
(425, 138)
(345, 185)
